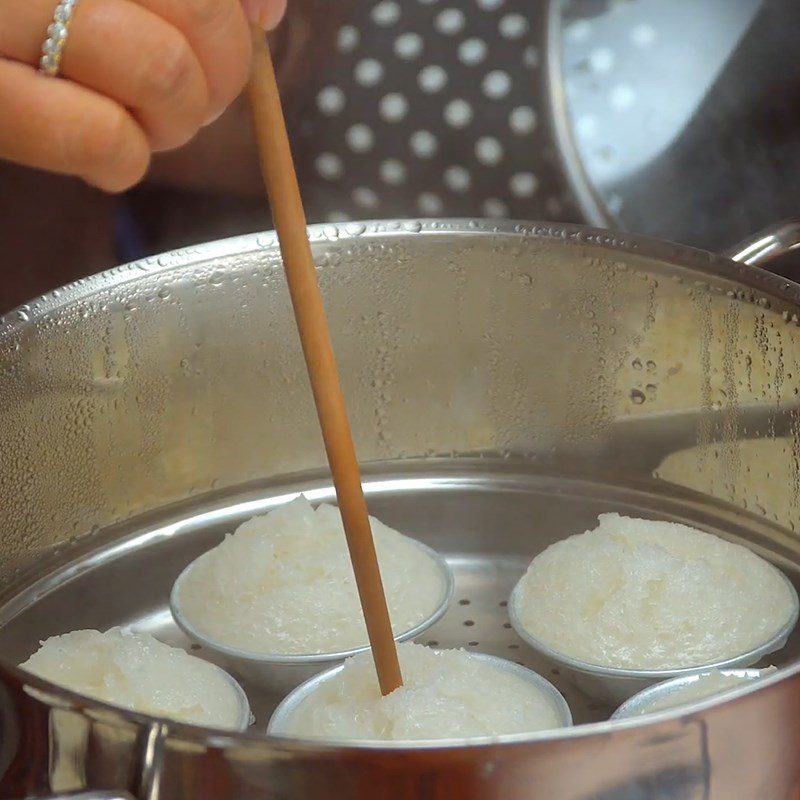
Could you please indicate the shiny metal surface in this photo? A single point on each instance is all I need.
(281, 672)
(245, 714)
(518, 377)
(454, 505)
(625, 93)
(615, 685)
(769, 244)
(281, 717)
(672, 129)
(639, 703)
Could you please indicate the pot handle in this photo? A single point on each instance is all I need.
(768, 244)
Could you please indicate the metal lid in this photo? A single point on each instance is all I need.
(674, 119)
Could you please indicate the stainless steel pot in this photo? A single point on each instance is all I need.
(506, 383)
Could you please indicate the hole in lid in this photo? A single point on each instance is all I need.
(506, 624)
(503, 603)
(520, 663)
(513, 647)
(469, 622)
(473, 644)
(555, 671)
(196, 647)
(463, 602)
(433, 643)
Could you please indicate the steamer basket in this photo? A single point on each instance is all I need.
(506, 384)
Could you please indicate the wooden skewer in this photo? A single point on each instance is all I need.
(301, 274)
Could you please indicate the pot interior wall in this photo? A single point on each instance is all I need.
(173, 378)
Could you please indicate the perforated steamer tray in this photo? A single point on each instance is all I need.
(488, 517)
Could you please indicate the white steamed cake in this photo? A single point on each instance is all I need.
(283, 584)
(641, 594)
(446, 694)
(139, 673)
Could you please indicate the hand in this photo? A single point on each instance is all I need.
(136, 77)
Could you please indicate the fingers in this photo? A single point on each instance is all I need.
(126, 52)
(218, 32)
(62, 127)
(136, 76)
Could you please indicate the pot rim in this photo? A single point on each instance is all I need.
(703, 262)
(59, 698)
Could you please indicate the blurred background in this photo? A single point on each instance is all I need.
(675, 119)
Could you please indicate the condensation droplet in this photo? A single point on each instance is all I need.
(355, 228)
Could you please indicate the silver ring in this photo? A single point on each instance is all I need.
(57, 33)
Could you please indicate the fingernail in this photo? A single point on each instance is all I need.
(264, 13)
(213, 117)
